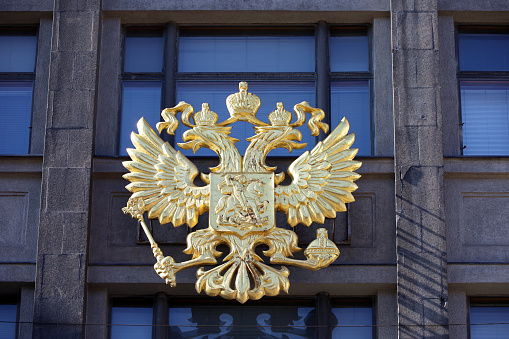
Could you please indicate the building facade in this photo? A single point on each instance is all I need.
(425, 85)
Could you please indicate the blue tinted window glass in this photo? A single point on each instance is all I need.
(143, 54)
(246, 54)
(131, 322)
(489, 322)
(8, 321)
(485, 114)
(352, 322)
(15, 111)
(17, 53)
(483, 52)
(350, 99)
(215, 93)
(139, 99)
(349, 54)
(242, 322)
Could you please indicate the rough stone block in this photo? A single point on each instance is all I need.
(68, 147)
(50, 233)
(71, 109)
(414, 5)
(416, 106)
(51, 286)
(85, 70)
(421, 275)
(75, 31)
(409, 231)
(405, 153)
(416, 68)
(414, 30)
(61, 70)
(75, 230)
(67, 190)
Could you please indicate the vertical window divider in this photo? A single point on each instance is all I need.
(323, 316)
(161, 312)
(170, 68)
(322, 72)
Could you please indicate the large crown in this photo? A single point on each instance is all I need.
(243, 102)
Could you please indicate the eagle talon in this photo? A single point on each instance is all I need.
(165, 269)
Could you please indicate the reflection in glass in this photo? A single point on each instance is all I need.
(16, 112)
(485, 115)
(350, 99)
(489, 322)
(131, 322)
(349, 53)
(139, 99)
(483, 52)
(143, 54)
(215, 93)
(352, 322)
(8, 321)
(17, 53)
(246, 54)
(210, 322)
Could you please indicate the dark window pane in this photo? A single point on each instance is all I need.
(483, 52)
(215, 93)
(139, 99)
(489, 322)
(15, 111)
(246, 54)
(485, 113)
(143, 54)
(17, 53)
(352, 322)
(350, 99)
(131, 322)
(8, 321)
(349, 52)
(262, 322)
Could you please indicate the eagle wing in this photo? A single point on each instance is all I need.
(322, 180)
(163, 178)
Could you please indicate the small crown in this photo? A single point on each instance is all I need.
(243, 102)
(205, 117)
(280, 117)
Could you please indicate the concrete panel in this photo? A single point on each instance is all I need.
(477, 218)
(13, 218)
(212, 5)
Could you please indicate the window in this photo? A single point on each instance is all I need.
(352, 319)
(17, 75)
(484, 89)
(8, 318)
(197, 318)
(131, 319)
(489, 318)
(206, 65)
(142, 81)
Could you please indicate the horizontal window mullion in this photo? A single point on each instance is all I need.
(483, 75)
(342, 76)
(17, 76)
(141, 77)
(245, 76)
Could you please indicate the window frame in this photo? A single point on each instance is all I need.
(484, 302)
(162, 303)
(475, 75)
(12, 300)
(25, 30)
(321, 76)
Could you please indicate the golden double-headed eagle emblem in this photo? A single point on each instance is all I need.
(241, 194)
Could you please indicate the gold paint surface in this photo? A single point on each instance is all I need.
(242, 193)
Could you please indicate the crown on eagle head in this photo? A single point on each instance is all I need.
(242, 102)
